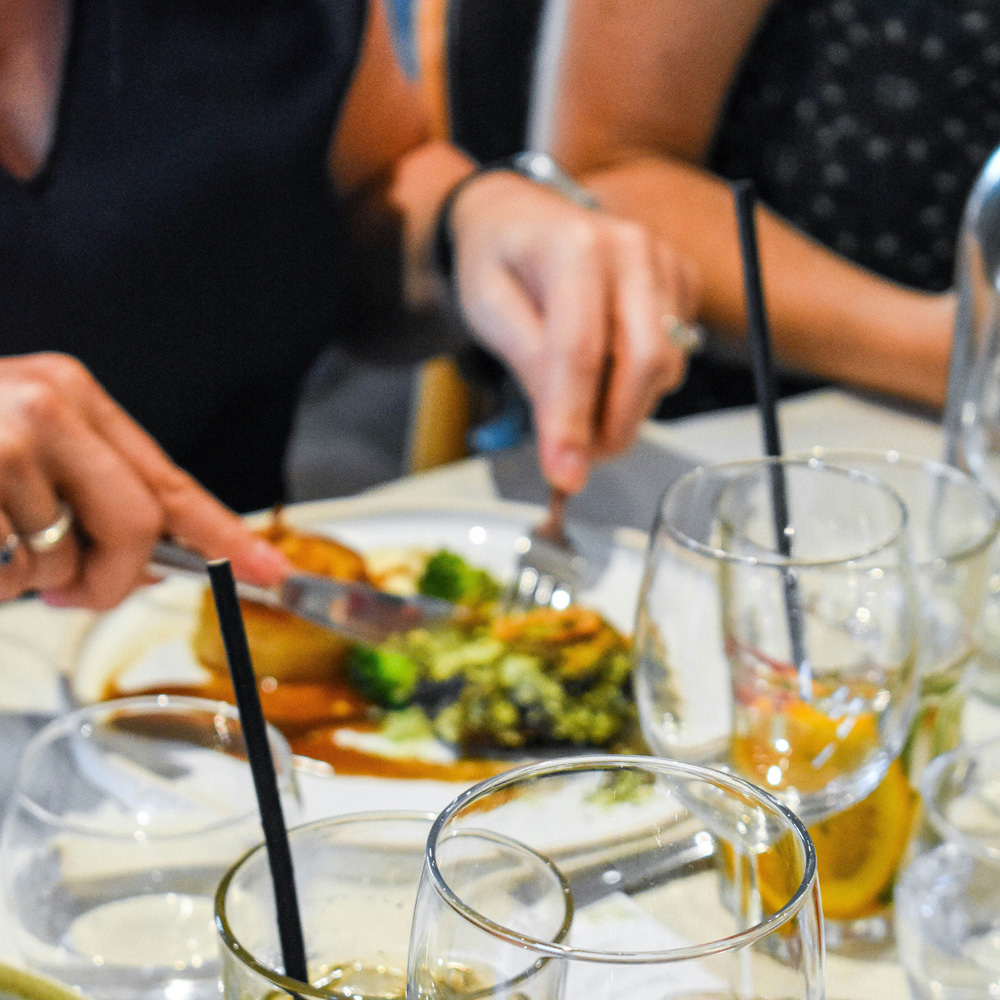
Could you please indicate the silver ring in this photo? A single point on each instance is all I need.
(47, 538)
(9, 548)
(687, 337)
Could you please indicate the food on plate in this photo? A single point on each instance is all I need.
(281, 646)
(447, 575)
(446, 702)
(506, 681)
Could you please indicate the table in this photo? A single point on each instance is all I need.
(829, 417)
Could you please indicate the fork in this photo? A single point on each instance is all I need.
(548, 566)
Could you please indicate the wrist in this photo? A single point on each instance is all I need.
(537, 167)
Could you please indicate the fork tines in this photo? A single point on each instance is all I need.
(545, 576)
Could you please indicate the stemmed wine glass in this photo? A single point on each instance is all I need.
(616, 878)
(776, 629)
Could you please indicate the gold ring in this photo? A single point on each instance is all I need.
(687, 337)
(8, 548)
(47, 538)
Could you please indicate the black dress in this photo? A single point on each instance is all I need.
(183, 238)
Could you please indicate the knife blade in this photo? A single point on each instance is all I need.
(355, 610)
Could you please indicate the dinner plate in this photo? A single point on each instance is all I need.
(145, 641)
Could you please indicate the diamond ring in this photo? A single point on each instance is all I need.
(687, 337)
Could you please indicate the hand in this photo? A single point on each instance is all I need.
(575, 301)
(64, 441)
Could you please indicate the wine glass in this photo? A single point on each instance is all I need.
(127, 814)
(616, 878)
(776, 629)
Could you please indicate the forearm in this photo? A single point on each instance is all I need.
(419, 186)
(395, 284)
(828, 316)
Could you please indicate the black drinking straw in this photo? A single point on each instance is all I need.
(759, 337)
(279, 856)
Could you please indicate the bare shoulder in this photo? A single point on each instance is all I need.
(383, 117)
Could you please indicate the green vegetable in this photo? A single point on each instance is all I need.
(449, 576)
(386, 677)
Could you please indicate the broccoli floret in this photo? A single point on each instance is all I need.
(449, 576)
(388, 678)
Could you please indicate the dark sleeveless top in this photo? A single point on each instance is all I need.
(183, 238)
(866, 123)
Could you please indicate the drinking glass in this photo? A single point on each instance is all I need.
(126, 816)
(356, 877)
(776, 629)
(616, 878)
(947, 900)
(953, 522)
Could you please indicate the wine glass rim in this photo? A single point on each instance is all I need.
(891, 456)
(776, 560)
(611, 762)
(66, 724)
(295, 987)
(929, 780)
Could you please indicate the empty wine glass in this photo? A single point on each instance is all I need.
(953, 521)
(616, 878)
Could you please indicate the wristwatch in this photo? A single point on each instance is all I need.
(542, 168)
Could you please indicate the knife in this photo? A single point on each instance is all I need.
(355, 610)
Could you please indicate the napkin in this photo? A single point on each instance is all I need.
(625, 492)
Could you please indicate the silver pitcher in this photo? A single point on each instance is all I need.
(972, 409)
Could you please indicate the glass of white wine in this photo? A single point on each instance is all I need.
(617, 878)
(356, 878)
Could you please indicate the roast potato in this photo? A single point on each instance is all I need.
(282, 646)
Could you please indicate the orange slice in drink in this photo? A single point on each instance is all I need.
(799, 746)
(859, 851)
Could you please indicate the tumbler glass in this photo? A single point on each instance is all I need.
(126, 816)
(948, 899)
(356, 878)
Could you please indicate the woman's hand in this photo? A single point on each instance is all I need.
(64, 443)
(581, 304)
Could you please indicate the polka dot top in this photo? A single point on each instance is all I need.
(866, 122)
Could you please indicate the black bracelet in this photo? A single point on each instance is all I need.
(538, 167)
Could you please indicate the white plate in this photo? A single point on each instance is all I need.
(146, 640)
